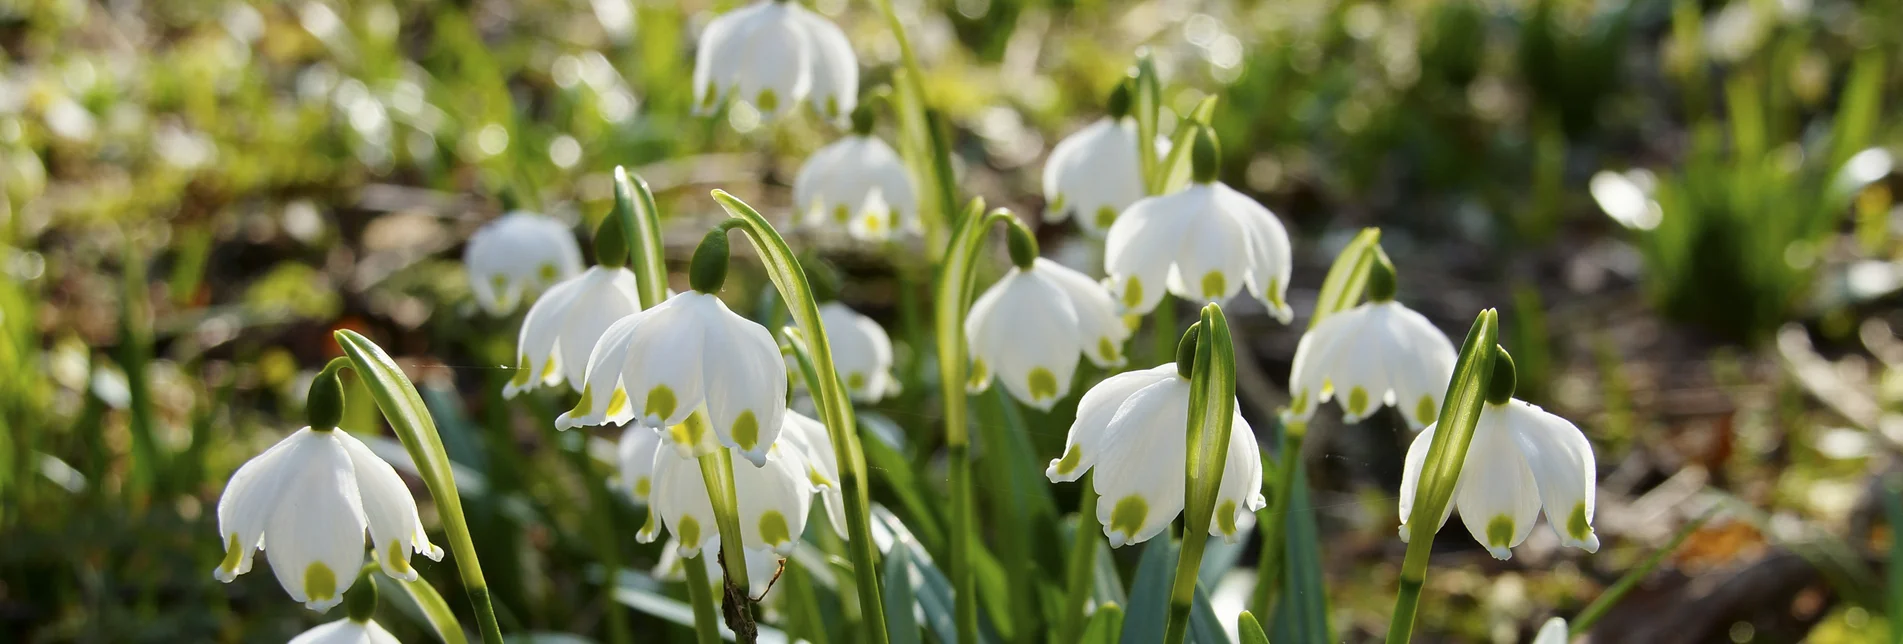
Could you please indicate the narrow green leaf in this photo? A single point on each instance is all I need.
(934, 591)
(1149, 99)
(641, 220)
(1302, 613)
(1143, 621)
(1204, 626)
(1347, 277)
(1211, 415)
(1173, 175)
(1249, 630)
(1631, 578)
(1106, 626)
(421, 602)
(901, 624)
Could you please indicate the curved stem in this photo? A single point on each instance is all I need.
(835, 408)
(404, 408)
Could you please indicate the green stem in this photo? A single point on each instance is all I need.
(1081, 567)
(1208, 425)
(1183, 589)
(634, 204)
(716, 471)
(700, 592)
(601, 530)
(404, 408)
(1274, 525)
(1401, 627)
(835, 408)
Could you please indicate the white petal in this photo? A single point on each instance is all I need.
(773, 60)
(835, 69)
(1240, 493)
(1089, 435)
(1422, 363)
(1100, 329)
(1561, 460)
(1140, 474)
(1213, 261)
(314, 538)
(1554, 632)
(1498, 498)
(680, 499)
(346, 631)
(662, 369)
(516, 253)
(606, 296)
(1271, 260)
(1143, 246)
(538, 361)
(715, 59)
(604, 399)
(1411, 478)
(744, 377)
(810, 437)
(813, 186)
(862, 352)
(774, 499)
(251, 495)
(395, 527)
(634, 460)
(1027, 337)
(1095, 173)
(1310, 381)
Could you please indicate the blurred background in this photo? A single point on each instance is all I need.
(1684, 209)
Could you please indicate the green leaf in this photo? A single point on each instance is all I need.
(422, 603)
(643, 593)
(641, 220)
(934, 592)
(1347, 277)
(1249, 630)
(1302, 613)
(1106, 625)
(1143, 623)
(1174, 173)
(1631, 578)
(1212, 407)
(1149, 98)
(901, 625)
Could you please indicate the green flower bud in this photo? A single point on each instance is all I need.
(1500, 386)
(1381, 284)
(1119, 104)
(1186, 351)
(1022, 244)
(360, 603)
(1205, 159)
(611, 242)
(324, 406)
(707, 272)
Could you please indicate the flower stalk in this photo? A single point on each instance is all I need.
(1440, 473)
(1207, 355)
(396, 396)
(835, 408)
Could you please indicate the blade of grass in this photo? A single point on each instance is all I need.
(429, 607)
(901, 623)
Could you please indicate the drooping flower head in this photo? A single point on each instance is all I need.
(1029, 329)
(862, 351)
(857, 183)
(1203, 243)
(774, 498)
(773, 54)
(1378, 353)
(1095, 172)
(1523, 460)
(518, 254)
(309, 499)
(1132, 428)
(692, 365)
(564, 324)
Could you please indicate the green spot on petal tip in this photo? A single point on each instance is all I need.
(1500, 532)
(1128, 516)
(661, 402)
(773, 529)
(746, 431)
(1068, 464)
(320, 583)
(1043, 384)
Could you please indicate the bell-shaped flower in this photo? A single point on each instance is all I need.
(862, 352)
(774, 499)
(774, 54)
(346, 631)
(1203, 243)
(1133, 428)
(518, 254)
(564, 324)
(857, 183)
(634, 460)
(1095, 172)
(1378, 353)
(1522, 460)
(689, 356)
(1553, 632)
(308, 499)
(1029, 328)
(822, 463)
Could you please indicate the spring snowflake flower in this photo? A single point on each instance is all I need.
(862, 352)
(518, 254)
(1378, 353)
(1523, 460)
(634, 460)
(637, 456)
(858, 183)
(1131, 427)
(1029, 328)
(564, 324)
(346, 631)
(308, 500)
(1203, 243)
(774, 499)
(773, 54)
(1095, 172)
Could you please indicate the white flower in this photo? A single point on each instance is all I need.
(1132, 428)
(1627, 197)
(773, 54)
(773, 500)
(517, 254)
(308, 499)
(1554, 632)
(822, 463)
(563, 325)
(689, 355)
(1522, 460)
(862, 352)
(1029, 328)
(346, 631)
(1204, 243)
(1095, 173)
(1378, 353)
(858, 183)
(634, 460)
